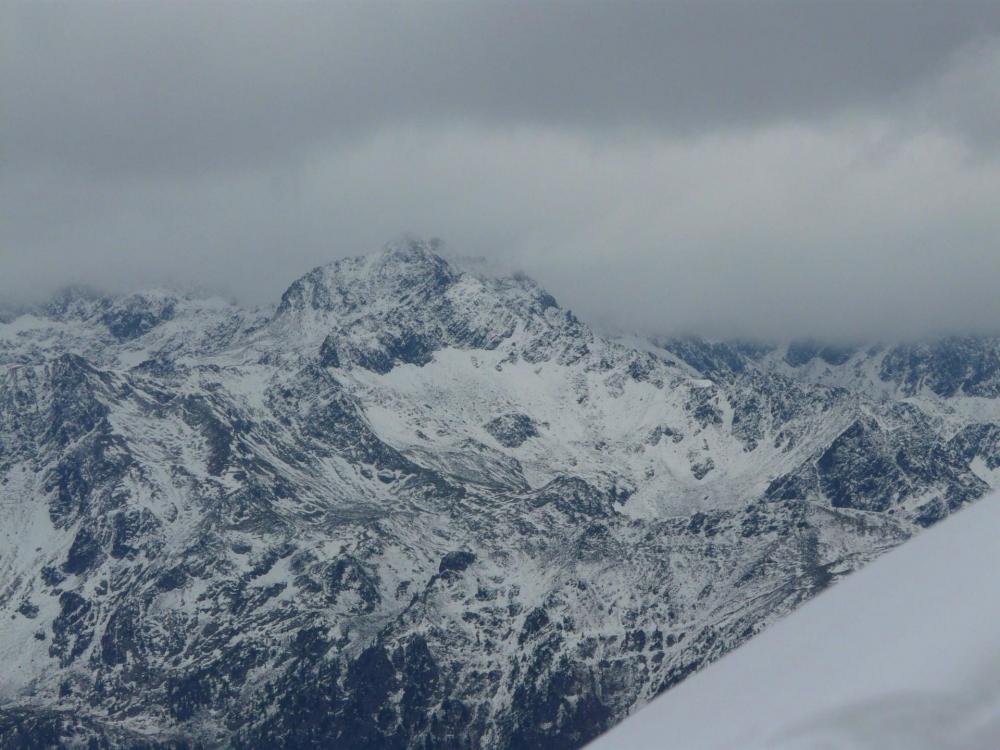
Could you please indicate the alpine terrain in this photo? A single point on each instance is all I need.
(414, 506)
(852, 669)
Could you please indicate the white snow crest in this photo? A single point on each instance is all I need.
(903, 655)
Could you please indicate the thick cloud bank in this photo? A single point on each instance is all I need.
(766, 169)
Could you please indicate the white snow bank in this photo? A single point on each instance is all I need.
(904, 654)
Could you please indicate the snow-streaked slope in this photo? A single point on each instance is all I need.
(416, 507)
(903, 654)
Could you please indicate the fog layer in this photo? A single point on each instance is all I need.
(732, 169)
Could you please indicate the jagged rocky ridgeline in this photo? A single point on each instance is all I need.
(414, 507)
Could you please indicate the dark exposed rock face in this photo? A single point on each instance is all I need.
(511, 430)
(969, 366)
(289, 531)
(133, 318)
(701, 469)
(456, 561)
(716, 360)
(876, 467)
(800, 353)
(980, 440)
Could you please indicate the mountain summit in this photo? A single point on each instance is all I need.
(413, 507)
(401, 305)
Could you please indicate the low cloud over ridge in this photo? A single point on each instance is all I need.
(776, 169)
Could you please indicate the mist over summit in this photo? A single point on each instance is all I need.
(772, 172)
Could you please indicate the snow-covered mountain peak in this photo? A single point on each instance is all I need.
(405, 302)
(418, 490)
(405, 272)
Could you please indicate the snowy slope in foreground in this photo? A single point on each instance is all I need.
(903, 654)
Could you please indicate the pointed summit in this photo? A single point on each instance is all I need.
(403, 271)
(405, 302)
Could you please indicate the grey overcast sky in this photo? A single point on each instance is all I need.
(730, 168)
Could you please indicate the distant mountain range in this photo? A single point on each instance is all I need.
(416, 507)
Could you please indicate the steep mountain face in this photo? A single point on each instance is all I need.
(412, 507)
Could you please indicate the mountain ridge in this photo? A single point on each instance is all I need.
(415, 506)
